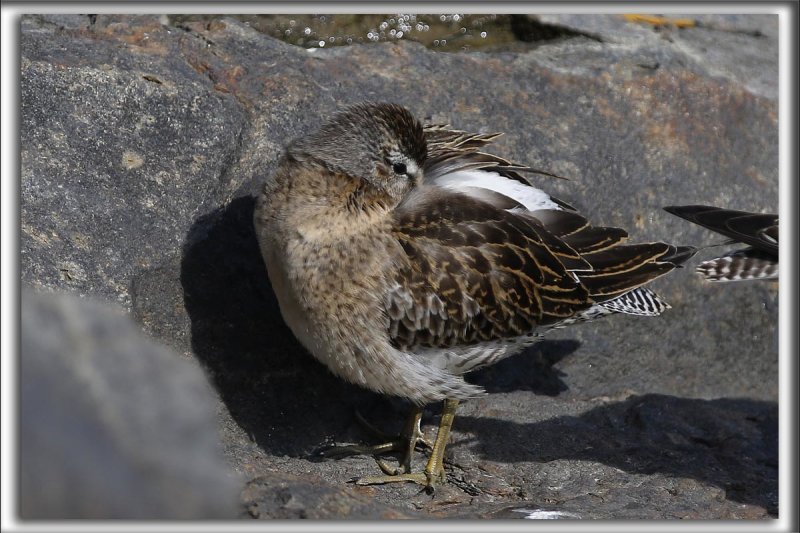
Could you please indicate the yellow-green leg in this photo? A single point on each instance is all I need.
(434, 470)
(407, 441)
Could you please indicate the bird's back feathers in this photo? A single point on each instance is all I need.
(491, 257)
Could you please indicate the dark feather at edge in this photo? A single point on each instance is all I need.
(748, 228)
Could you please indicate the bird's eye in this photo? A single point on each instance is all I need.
(399, 168)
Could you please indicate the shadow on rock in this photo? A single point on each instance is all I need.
(729, 443)
(285, 400)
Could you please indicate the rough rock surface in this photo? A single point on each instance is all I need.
(142, 145)
(113, 425)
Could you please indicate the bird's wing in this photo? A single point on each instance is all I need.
(758, 230)
(475, 272)
(454, 151)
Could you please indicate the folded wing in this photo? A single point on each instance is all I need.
(476, 272)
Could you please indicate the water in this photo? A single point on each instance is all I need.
(448, 33)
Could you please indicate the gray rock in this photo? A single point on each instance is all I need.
(284, 496)
(743, 48)
(112, 425)
(632, 409)
(123, 143)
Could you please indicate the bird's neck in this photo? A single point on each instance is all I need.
(335, 206)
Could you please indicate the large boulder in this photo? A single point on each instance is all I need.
(112, 424)
(143, 144)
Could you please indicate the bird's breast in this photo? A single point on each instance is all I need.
(329, 295)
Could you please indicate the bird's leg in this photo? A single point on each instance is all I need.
(434, 470)
(411, 432)
(407, 441)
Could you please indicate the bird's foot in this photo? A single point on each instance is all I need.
(338, 452)
(428, 480)
(411, 431)
(434, 471)
(409, 439)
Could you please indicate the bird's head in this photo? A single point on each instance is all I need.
(380, 145)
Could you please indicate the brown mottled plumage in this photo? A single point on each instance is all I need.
(758, 230)
(403, 257)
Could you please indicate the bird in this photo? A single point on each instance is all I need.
(759, 261)
(404, 256)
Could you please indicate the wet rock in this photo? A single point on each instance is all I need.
(113, 425)
(156, 214)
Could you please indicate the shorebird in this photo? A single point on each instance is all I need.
(758, 230)
(404, 256)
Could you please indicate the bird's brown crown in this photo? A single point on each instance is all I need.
(381, 144)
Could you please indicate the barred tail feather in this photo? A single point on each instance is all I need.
(738, 267)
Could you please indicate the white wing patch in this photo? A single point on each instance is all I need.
(532, 198)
